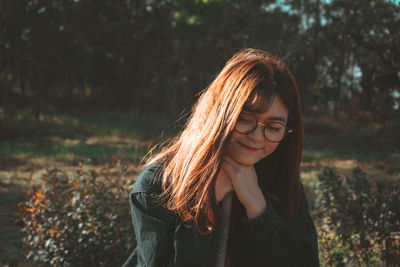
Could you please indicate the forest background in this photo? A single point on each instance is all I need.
(94, 84)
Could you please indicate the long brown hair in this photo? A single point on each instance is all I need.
(192, 160)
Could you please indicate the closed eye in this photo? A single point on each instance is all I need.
(246, 117)
(274, 129)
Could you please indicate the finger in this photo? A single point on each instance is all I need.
(228, 167)
(232, 163)
(222, 173)
(230, 160)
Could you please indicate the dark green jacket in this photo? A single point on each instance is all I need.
(164, 240)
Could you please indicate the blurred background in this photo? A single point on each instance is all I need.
(88, 87)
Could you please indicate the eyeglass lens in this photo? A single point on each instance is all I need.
(273, 131)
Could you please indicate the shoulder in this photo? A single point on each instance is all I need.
(144, 198)
(149, 180)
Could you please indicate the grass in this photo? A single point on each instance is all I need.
(100, 140)
(91, 137)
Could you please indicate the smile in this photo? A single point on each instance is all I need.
(249, 148)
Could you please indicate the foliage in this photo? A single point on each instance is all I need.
(357, 64)
(142, 55)
(81, 219)
(359, 220)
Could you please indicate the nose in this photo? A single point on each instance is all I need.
(258, 133)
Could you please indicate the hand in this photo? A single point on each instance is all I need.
(245, 184)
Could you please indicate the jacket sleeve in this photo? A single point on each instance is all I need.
(270, 238)
(153, 226)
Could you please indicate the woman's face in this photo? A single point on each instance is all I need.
(248, 149)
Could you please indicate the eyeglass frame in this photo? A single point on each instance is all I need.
(264, 125)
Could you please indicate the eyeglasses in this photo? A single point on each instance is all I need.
(273, 131)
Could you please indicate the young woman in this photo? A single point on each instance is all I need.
(227, 190)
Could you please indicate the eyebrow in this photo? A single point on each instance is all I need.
(277, 118)
(272, 118)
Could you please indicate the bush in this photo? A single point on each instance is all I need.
(360, 220)
(81, 219)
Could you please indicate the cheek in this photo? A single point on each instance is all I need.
(234, 138)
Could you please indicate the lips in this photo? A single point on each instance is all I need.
(249, 147)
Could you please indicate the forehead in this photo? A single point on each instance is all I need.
(257, 104)
(258, 101)
(268, 109)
